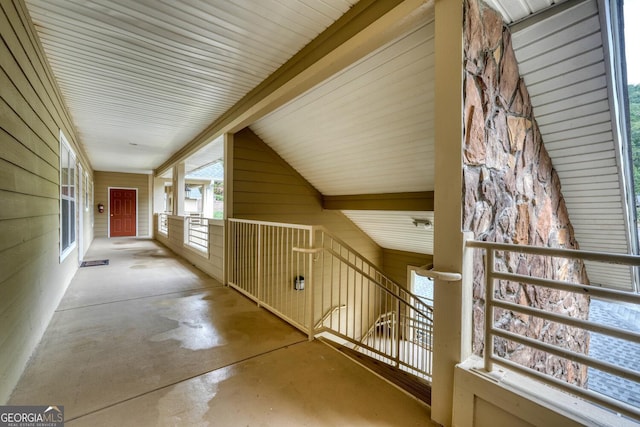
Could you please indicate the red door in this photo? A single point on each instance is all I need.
(122, 208)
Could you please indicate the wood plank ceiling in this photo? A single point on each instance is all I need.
(142, 78)
(368, 129)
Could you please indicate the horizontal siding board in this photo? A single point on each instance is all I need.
(579, 132)
(588, 100)
(548, 129)
(19, 257)
(272, 188)
(26, 90)
(585, 172)
(396, 262)
(15, 127)
(16, 231)
(593, 182)
(566, 114)
(11, 95)
(577, 23)
(40, 89)
(14, 178)
(574, 149)
(577, 142)
(33, 279)
(16, 205)
(570, 63)
(590, 78)
(273, 199)
(596, 159)
(555, 99)
(12, 151)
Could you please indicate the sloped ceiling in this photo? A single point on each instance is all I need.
(368, 129)
(142, 78)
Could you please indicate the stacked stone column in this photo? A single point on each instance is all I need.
(512, 194)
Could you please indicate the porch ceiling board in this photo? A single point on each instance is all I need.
(155, 74)
(395, 230)
(562, 60)
(367, 129)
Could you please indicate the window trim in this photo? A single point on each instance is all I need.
(65, 148)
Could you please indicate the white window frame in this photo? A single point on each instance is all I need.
(69, 223)
(87, 191)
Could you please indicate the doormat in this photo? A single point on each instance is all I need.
(94, 263)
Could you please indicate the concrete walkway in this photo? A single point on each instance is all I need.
(150, 341)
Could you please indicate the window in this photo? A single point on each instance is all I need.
(67, 198)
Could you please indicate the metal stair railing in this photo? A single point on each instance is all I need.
(320, 285)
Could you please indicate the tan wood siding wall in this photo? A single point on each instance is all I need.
(396, 262)
(32, 278)
(266, 188)
(104, 180)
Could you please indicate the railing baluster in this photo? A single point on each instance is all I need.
(359, 298)
(488, 299)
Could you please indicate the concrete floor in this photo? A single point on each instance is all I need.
(150, 340)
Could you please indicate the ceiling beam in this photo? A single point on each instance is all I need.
(365, 27)
(414, 201)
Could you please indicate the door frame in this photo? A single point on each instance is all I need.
(81, 205)
(109, 208)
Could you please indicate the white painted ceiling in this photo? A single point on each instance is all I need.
(368, 129)
(517, 10)
(385, 227)
(142, 78)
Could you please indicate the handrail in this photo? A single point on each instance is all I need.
(274, 224)
(494, 329)
(197, 232)
(374, 325)
(375, 281)
(163, 226)
(296, 271)
(328, 314)
(371, 265)
(607, 257)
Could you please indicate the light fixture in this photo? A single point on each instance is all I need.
(425, 223)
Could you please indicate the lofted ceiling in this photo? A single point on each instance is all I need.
(368, 129)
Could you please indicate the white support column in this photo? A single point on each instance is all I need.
(178, 189)
(448, 254)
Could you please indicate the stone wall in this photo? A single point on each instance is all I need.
(512, 194)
